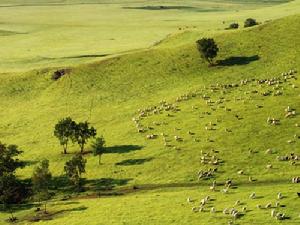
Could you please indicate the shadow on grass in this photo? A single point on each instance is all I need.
(122, 148)
(237, 60)
(50, 215)
(61, 185)
(130, 162)
(105, 184)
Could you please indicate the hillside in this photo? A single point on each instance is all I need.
(109, 93)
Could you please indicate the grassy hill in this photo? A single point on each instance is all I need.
(58, 33)
(109, 93)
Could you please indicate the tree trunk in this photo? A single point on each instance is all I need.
(81, 148)
(45, 208)
(99, 159)
(65, 148)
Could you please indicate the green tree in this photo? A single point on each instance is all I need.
(64, 131)
(82, 133)
(98, 147)
(12, 191)
(208, 49)
(74, 168)
(41, 179)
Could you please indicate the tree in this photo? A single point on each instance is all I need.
(41, 179)
(208, 49)
(250, 22)
(82, 133)
(12, 190)
(74, 168)
(98, 147)
(64, 131)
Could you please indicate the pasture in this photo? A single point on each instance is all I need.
(166, 116)
(39, 34)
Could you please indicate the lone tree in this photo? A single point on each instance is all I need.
(12, 191)
(74, 168)
(98, 147)
(208, 49)
(64, 131)
(250, 22)
(83, 133)
(41, 179)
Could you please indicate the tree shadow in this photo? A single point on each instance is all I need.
(105, 184)
(122, 148)
(237, 60)
(130, 162)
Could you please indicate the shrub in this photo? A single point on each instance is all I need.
(250, 22)
(233, 26)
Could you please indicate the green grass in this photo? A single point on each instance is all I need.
(60, 34)
(108, 93)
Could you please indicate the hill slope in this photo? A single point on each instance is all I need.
(109, 93)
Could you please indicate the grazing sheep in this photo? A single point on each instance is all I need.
(269, 166)
(252, 195)
(195, 209)
(237, 203)
(189, 200)
(277, 204)
(213, 210)
(279, 196)
(244, 209)
(240, 172)
(201, 209)
(273, 213)
(226, 211)
(268, 205)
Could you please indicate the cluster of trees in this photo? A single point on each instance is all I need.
(14, 190)
(208, 48)
(67, 130)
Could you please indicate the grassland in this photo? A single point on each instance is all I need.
(43, 34)
(109, 93)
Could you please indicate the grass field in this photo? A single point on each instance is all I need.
(109, 92)
(38, 34)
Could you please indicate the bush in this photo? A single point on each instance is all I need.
(59, 73)
(233, 26)
(250, 22)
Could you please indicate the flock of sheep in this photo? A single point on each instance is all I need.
(210, 160)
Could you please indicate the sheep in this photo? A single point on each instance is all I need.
(268, 205)
(252, 195)
(269, 166)
(269, 151)
(240, 172)
(201, 209)
(277, 204)
(226, 211)
(237, 203)
(212, 210)
(280, 216)
(296, 180)
(250, 179)
(273, 213)
(195, 209)
(279, 196)
(244, 209)
(189, 200)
